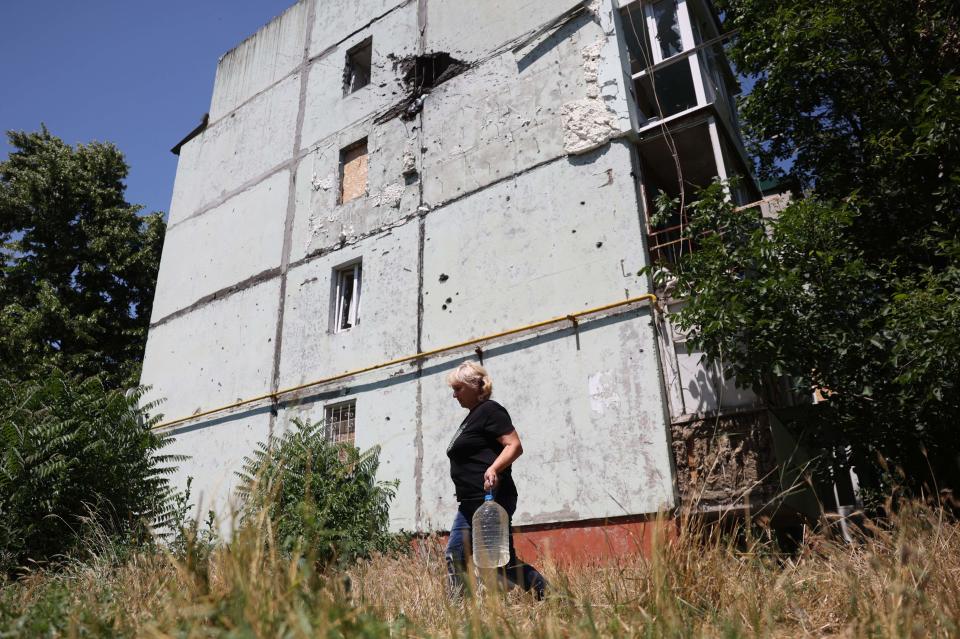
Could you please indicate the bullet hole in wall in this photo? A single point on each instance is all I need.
(444, 277)
(599, 244)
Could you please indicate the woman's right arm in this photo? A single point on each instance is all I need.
(512, 449)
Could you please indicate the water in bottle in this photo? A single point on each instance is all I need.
(491, 535)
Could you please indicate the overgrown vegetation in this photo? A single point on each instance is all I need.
(897, 580)
(78, 263)
(76, 457)
(856, 290)
(323, 500)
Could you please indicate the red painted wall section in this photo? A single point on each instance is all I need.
(581, 542)
(585, 542)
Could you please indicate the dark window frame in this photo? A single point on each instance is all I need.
(358, 70)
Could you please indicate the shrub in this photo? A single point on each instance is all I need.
(323, 499)
(75, 456)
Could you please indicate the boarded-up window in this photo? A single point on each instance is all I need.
(353, 171)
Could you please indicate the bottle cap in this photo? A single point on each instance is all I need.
(488, 496)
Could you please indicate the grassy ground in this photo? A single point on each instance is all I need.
(902, 579)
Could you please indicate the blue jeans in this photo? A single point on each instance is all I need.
(458, 547)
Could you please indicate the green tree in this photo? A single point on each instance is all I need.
(855, 289)
(322, 499)
(78, 262)
(796, 298)
(861, 97)
(76, 457)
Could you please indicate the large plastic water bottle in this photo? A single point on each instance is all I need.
(491, 535)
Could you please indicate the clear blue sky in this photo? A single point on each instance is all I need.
(138, 74)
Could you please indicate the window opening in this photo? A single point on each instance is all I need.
(341, 422)
(353, 171)
(668, 28)
(664, 80)
(675, 90)
(637, 37)
(347, 297)
(665, 240)
(356, 75)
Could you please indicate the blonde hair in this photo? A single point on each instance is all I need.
(473, 374)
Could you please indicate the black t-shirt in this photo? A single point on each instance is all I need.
(474, 447)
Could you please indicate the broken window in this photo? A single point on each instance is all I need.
(357, 72)
(670, 92)
(692, 145)
(428, 70)
(668, 28)
(346, 297)
(637, 37)
(664, 81)
(353, 171)
(341, 422)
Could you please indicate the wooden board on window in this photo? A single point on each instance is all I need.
(353, 183)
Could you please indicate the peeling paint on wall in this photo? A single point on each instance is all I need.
(390, 195)
(603, 397)
(323, 183)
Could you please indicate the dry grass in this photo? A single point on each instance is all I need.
(901, 580)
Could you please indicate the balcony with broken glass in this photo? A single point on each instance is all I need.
(685, 114)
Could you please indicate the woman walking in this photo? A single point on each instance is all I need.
(481, 453)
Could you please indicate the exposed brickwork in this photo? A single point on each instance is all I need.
(725, 461)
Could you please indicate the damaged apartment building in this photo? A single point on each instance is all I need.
(384, 188)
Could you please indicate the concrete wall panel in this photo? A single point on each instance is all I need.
(235, 241)
(327, 109)
(321, 222)
(259, 61)
(236, 150)
(388, 309)
(695, 386)
(214, 355)
(505, 115)
(591, 422)
(469, 29)
(338, 19)
(558, 239)
(215, 452)
(704, 387)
